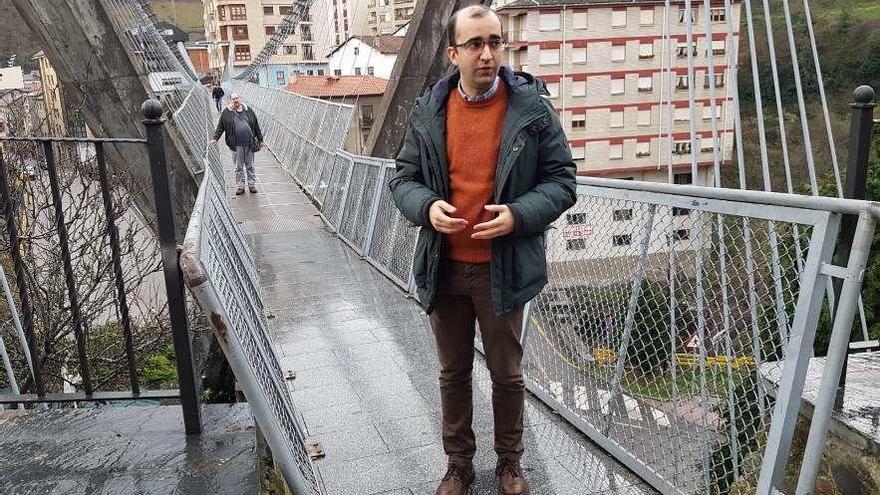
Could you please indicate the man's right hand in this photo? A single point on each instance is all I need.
(439, 214)
(213, 141)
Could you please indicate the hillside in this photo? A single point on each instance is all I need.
(187, 14)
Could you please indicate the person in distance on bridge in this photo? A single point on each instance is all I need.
(218, 94)
(484, 169)
(243, 137)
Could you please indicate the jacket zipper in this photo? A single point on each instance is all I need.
(504, 168)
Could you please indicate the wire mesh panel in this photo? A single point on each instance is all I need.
(655, 320)
(336, 189)
(228, 290)
(355, 200)
(394, 237)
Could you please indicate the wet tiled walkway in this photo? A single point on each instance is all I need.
(366, 372)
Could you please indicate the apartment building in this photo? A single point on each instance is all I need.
(621, 87)
(388, 16)
(349, 19)
(250, 24)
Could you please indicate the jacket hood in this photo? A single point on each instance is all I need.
(244, 108)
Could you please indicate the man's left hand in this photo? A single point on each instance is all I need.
(504, 223)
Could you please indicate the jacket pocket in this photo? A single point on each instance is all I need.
(530, 261)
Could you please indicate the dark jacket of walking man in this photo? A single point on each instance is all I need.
(243, 137)
(484, 169)
(218, 94)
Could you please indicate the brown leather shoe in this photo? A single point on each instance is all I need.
(457, 481)
(239, 191)
(511, 480)
(253, 190)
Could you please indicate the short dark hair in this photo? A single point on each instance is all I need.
(477, 11)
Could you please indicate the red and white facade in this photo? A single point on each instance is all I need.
(624, 104)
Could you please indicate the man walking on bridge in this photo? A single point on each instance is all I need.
(484, 169)
(217, 93)
(243, 137)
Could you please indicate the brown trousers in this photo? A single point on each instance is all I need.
(463, 298)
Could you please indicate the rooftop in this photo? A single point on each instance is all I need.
(386, 44)
(520, 4)
(337, 86)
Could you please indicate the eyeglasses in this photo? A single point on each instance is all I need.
(475, 47)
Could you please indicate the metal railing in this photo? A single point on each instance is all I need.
(666, 311)
(14, 199)
(222, 275)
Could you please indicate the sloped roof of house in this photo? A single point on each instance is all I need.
(386, 45)
(337, 86)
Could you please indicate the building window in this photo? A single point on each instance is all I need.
(615, 151)
(549, 56)
(647, 17)
(707, 112)
(305, 32)
(622, 215)
(707, 145)
(553, 88)
(618, 18)
(579, 55)
(579, 20)
(621, 240)
(683, 19)
(270, 30)
(643, 149)
(618, 53)
(285, 9)
(682, 82)
(357, 50)
(366, 116)
(238, 12)
(719, 81)
(337, 72)
(221, 13)
(308, 53)
(576, 244)
(242, 53)
(644, 117)
(681, 148)
(616, 119)
(310, 72)
(718, 15)
(320, 72)
(371, 71)
(578, 153)
(682, 114)
(576, 218)
(683, 51)
(239, 32)
(719, 47)
(579, 88)
(618, 86)
(646, 51)
(683, 178)
(578, 122)
(357, 71)
(646, 84)
(289, 50)
(281, 78)
(680, 235)
(548, 22)
(268, 10)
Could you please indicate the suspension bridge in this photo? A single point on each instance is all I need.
(673, 363)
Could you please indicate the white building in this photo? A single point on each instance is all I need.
(365, 55)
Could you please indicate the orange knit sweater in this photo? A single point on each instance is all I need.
(473, 142)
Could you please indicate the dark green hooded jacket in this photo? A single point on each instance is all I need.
(535, 178)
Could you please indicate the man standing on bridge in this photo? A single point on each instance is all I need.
(243, 137)
(217, 93)
(484, 169)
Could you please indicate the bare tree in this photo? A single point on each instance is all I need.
(92, 264)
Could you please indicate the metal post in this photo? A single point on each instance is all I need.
(153, 123)
(838, 349)
(20, 277)
(67, 263)
(113, 233)
(861, 126)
